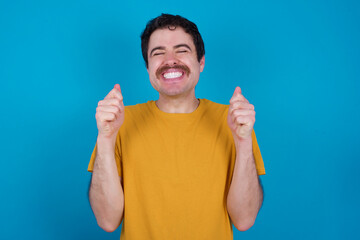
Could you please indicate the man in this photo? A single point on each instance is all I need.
(179, 167)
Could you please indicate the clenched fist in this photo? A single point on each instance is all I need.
(110, 113)
(241, 116)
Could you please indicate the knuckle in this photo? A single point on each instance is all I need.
(236, 105)
(113, 116)
(117, 101)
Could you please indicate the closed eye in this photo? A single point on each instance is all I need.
(158, 53)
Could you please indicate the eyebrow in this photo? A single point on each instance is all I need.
(176, 46)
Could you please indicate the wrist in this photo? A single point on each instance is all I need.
(105, 144)
(106, 138)
(243, 143)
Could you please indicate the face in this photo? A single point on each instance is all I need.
(172, 63)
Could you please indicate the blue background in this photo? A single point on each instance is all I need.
(296, 61)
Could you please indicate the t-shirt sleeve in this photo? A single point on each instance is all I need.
(117, 157)
(257, 156)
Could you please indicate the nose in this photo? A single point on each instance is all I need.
(170, 59)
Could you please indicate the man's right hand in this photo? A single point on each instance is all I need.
(106, 193)
(110, 114)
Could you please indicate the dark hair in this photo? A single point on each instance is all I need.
(168, 20)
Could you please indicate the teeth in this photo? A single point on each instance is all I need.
(172, 75)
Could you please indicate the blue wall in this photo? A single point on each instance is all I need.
(296, 61)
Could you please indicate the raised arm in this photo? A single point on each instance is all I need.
(106, 193)
(245, 194)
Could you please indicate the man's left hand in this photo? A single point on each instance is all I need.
(241, 116)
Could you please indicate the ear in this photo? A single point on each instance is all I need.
(202, 63)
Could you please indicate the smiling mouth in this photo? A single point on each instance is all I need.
(171, 75)
(172, 72)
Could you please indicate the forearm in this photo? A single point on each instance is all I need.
(245, 194)
(106, 193)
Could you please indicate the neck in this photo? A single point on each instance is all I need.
(170, 104)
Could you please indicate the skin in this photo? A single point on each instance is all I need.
(169, 49)
(106, 193)
(245, 194)
(173, 48)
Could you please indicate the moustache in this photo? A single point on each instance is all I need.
(162, 69)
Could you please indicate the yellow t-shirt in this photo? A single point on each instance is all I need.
(176, 170)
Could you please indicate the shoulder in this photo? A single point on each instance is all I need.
(140, 108)
(213, 107)
(135, 117)
(215, 112)
(140, 111)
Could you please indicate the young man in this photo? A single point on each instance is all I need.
(179, 167)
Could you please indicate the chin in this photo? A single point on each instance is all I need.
(171, 91)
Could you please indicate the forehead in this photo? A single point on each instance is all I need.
(169, 38)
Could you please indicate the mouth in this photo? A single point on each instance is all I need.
(172, 73)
